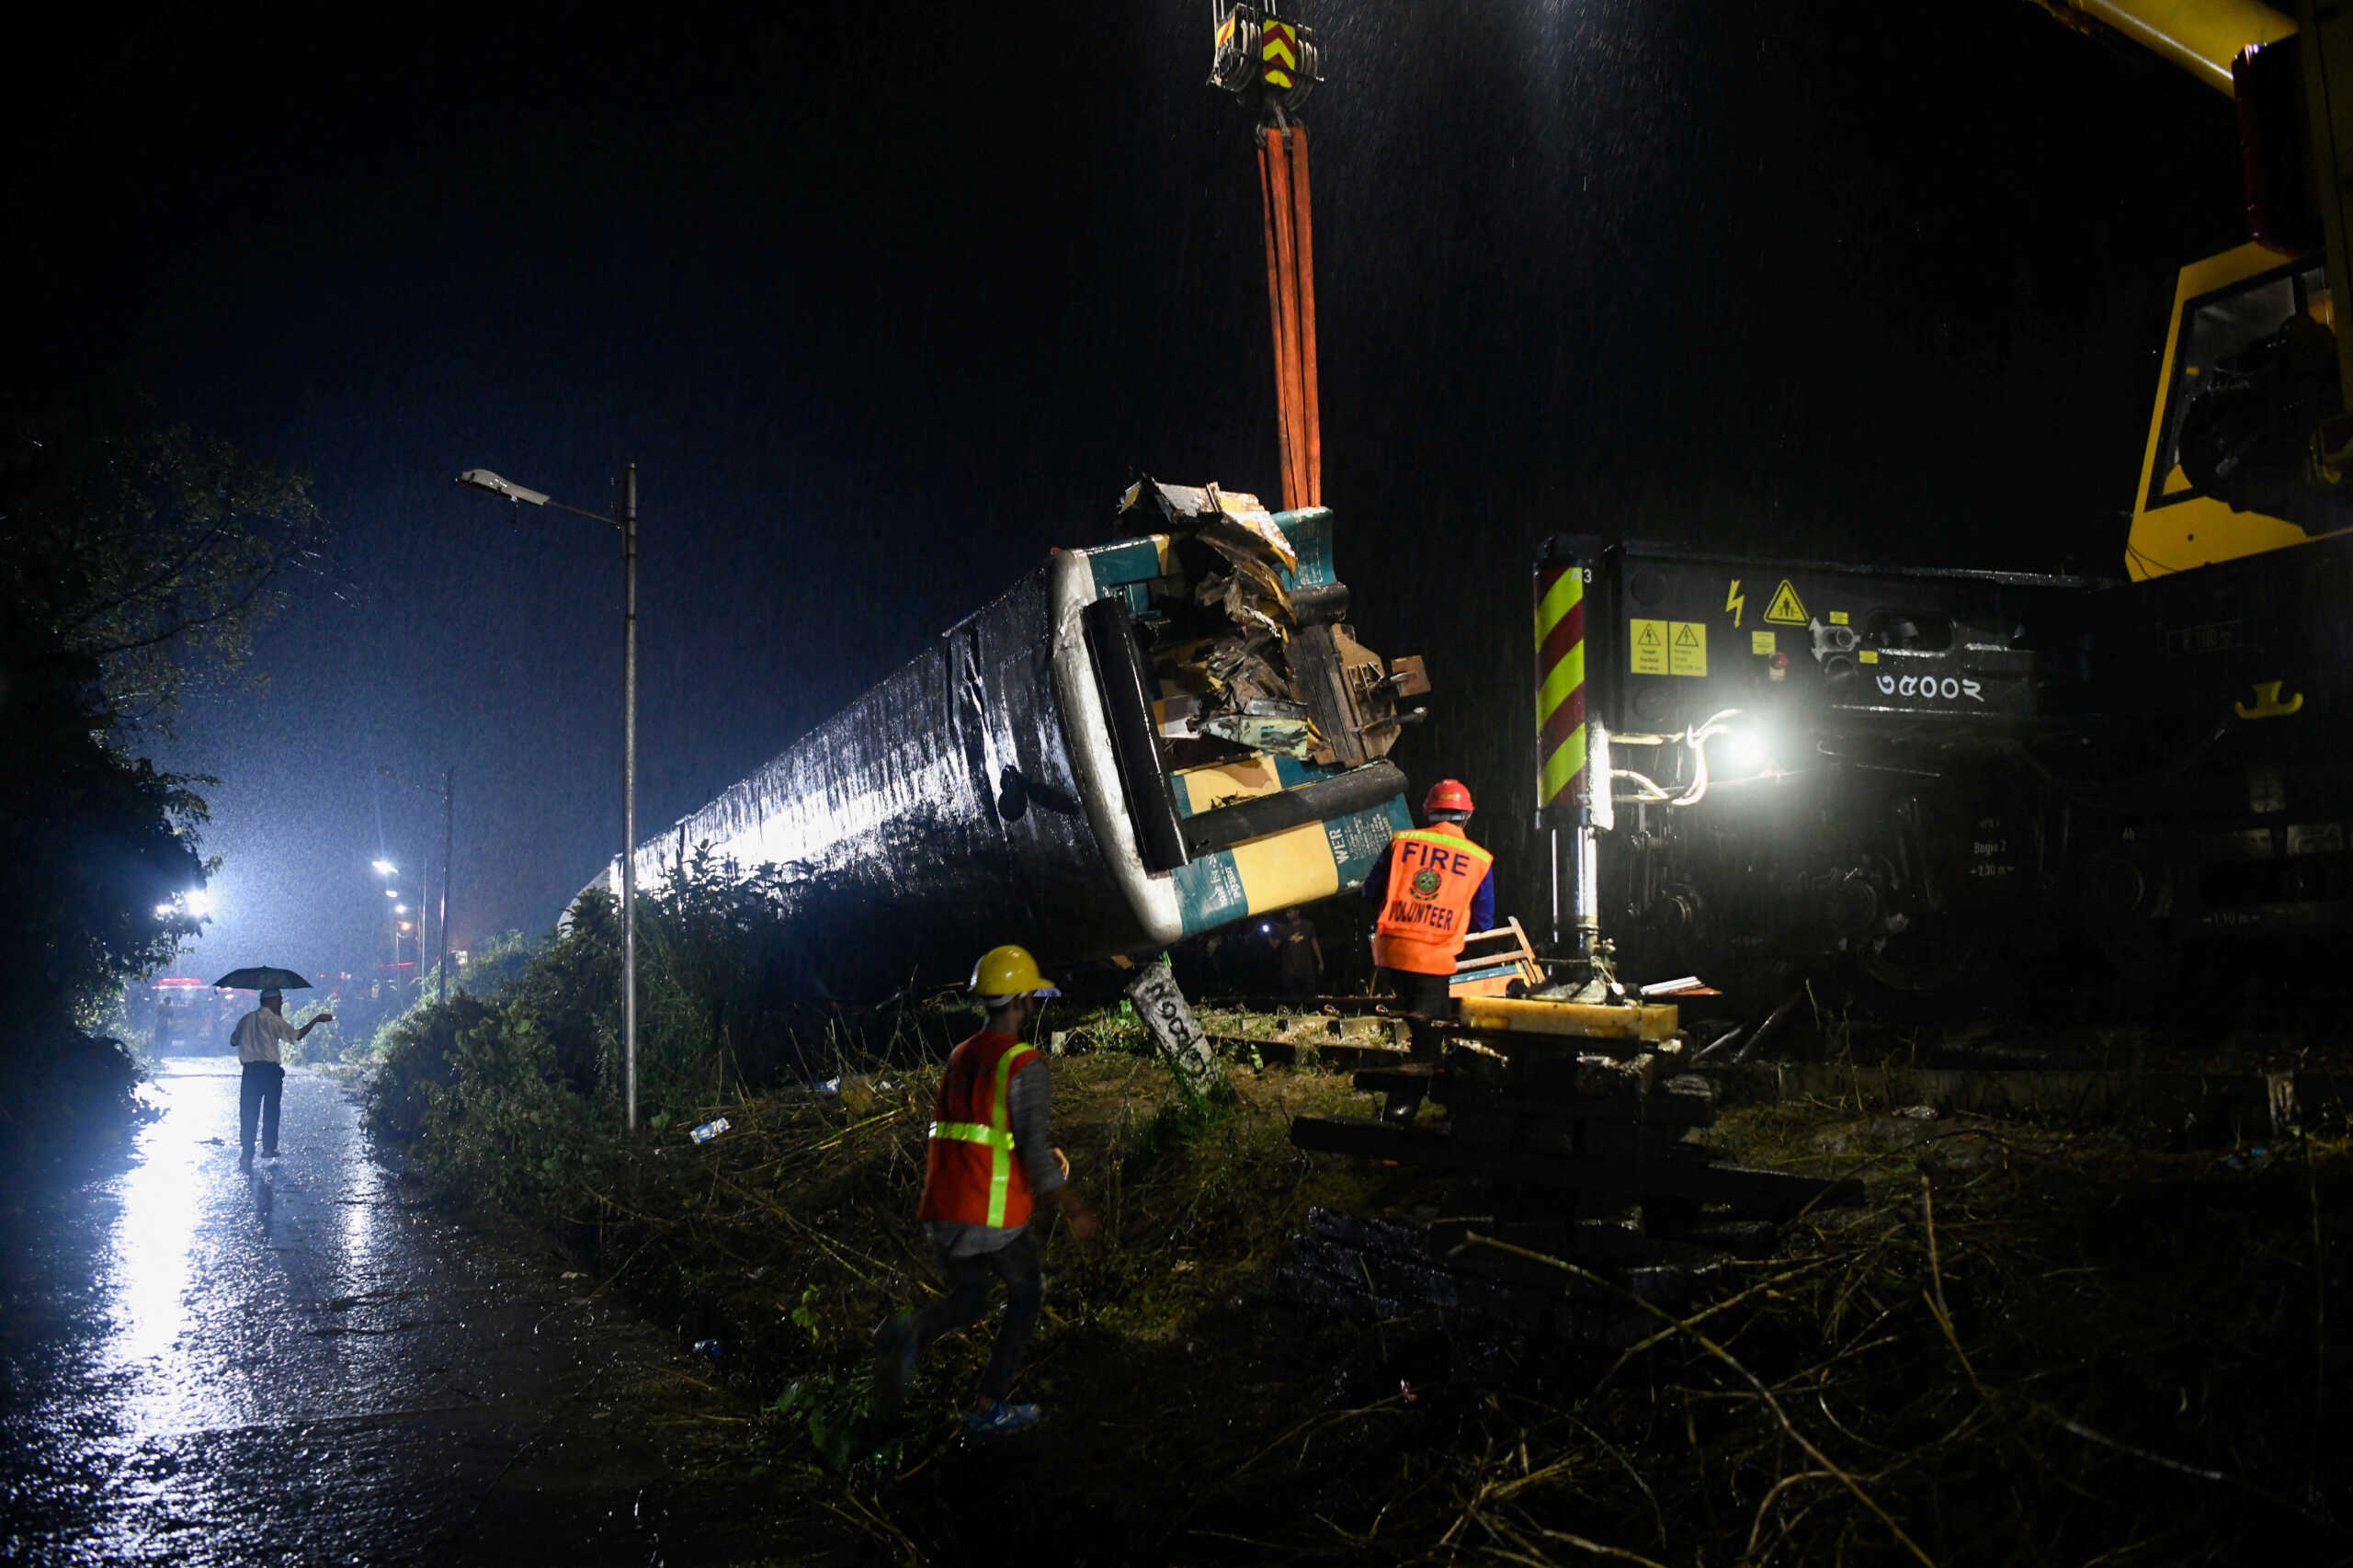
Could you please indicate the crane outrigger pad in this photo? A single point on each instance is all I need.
(1582, 1020)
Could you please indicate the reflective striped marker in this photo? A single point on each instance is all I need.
(1560, 686)
(1278, 55)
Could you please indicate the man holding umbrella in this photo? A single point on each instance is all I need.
(257, 1038)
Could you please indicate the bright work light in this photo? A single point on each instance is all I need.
(1749, 750)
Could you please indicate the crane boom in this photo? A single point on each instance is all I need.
(2202, 36)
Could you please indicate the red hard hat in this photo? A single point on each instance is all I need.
(1446, 795)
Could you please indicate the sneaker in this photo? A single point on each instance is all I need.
(894, 1360)
(269, 1154)
(1002, 1420)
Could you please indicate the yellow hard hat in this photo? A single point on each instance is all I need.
(1010, 971)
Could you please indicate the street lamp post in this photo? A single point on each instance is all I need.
(449, 815)
(483, 479)
(429, 910)
(387, 870)
(393, 924)
(629, 786)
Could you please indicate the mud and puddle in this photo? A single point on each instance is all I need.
(306, 1363)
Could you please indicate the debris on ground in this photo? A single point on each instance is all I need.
(2031, 1338)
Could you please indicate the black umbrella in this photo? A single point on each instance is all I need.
(261, 977)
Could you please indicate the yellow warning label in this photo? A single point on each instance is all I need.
(1734, 600)
(1760, 642)
(1837, 618)
(1786, 607)
(1650, 648)
(1869, 655)
(1687, 651)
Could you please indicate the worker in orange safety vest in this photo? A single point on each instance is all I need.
(1435, 887)
(988, 1164)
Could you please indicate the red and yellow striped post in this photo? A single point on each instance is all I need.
(1566, 760)
(1560, 688)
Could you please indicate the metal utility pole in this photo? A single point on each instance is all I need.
(424, 912)
(483, 479)
(449, 812)
(428, 912)
(629, 787)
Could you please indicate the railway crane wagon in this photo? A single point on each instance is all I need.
(1755, 761)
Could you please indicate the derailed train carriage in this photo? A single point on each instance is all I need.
(1137, 741)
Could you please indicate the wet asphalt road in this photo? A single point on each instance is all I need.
(305, 1364)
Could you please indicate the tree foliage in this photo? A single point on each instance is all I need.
(151, 548)
(94, 841)
(136, 556)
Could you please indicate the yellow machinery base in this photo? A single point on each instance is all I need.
(1583, 1020)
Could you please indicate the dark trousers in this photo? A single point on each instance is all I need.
(1427, 995)
(257, 1097)
(1016, 1263)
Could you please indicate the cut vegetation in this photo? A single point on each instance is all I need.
(2035, 1341)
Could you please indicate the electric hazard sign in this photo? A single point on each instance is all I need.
(1650, 648)
(1686, 648)
(1786, 607)
(1669, 647)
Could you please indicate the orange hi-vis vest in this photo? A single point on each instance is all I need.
(970, 1175)
(1434, 874)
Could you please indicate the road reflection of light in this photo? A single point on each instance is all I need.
(359, 1264)
(166, 1236)
(152, 1240)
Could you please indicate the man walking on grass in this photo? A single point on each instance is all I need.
(987, 1164)
(258, 1036)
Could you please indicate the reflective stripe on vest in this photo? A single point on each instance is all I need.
(1433, 877)
(996, 1134)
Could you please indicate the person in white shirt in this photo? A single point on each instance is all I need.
(259, 1034)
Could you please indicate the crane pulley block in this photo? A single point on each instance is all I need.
(1261, 53)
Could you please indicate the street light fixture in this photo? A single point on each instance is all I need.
(483, 479)
(519, 494)
(386, 868)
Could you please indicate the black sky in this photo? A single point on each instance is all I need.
(887, 302)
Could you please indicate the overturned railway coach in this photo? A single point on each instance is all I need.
(1136, 743)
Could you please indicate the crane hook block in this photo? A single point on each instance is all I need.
(1261, 55)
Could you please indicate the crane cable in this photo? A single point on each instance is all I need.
(1291, 306)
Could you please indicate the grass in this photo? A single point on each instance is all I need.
(2032, 1343)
